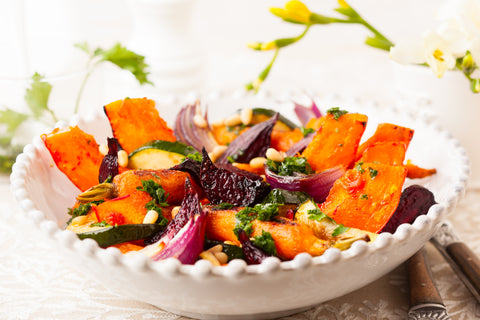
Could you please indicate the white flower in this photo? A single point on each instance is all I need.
(438, 49)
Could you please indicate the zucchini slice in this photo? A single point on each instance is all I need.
(118, 234)
(282, 123)
(159, 154)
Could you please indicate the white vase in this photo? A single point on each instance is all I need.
(447, 100)
(162, 32)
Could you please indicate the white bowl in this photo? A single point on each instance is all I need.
(238, 291)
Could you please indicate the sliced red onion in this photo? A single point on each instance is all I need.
(304, 114)
(187, 245)
(188, 132)
(250, 144)
(300, 145)
(317, 185)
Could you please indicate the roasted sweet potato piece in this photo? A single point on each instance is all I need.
(172, 182)
(290, 237)
(336, 141)
(416, 172)
(76, 154)
(387, 132)
(386, 152)
(366, 196)
(135, 122)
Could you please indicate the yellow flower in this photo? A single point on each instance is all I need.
(294, 11)
(343, 4)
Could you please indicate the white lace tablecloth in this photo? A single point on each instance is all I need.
(37, 283)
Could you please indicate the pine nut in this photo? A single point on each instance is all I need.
(274, 155)
(257, 163)
(207, 255)
(246, 116)
(218, 123)
(150, 217)
(219, 150)
(79, 220)
(215, 249)
(103, 148)
(230, 243)
(221, 257)
(212, 156)
(175, 211)
(200, 121)
(233, 120)
(122, 158)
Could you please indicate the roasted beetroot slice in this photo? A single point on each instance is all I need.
(109, 166)
(189, 166)
(415, 201)
(252, 253)
(251, 144)
(190, 206)
(221, 185)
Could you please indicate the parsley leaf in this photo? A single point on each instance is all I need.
(197, 156)
(266, 243)
(306, 131)
(262, 212)
(159, 198)
(100, 224)
(37, 96)
(373, 173)
(124, 59)
(81, 210)
(223, 206)
(12, 119)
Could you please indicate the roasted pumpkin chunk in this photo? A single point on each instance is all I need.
(386, 152)
(366, 196)
(336, 141)
(387, 132)
(76, 154)
(135, 122)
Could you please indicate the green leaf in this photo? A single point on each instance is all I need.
(12, 119)
(336, 112)
(83, 46)
(126, 60)
(37, 95)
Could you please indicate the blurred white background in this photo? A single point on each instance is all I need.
(38, 36)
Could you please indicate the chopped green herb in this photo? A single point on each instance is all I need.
(339, 230)
(159, 198)
(359, 168)
(263, 212)
(364, 196)
(156, 191)
(290, 165)
(81, 210)
(306, 131)
(373, 173)
(316, 214)
(266, 243)
(100, 224)
(223, 206)
(281, 196)
(197, 156)
(336, 112)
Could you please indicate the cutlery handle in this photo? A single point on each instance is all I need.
(422, 288)
(468, 263)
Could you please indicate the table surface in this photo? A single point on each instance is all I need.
(37, 283)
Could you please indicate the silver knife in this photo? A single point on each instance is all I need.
(462, 260)
(425, 300)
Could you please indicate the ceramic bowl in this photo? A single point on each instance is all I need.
(237, 291)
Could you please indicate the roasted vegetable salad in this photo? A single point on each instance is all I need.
(248, 187)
